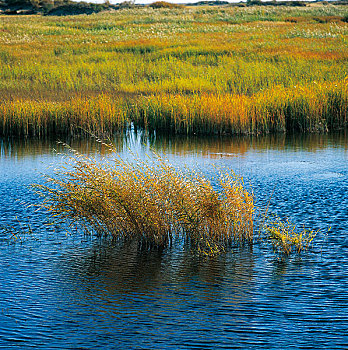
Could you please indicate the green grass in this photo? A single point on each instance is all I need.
(186, 70)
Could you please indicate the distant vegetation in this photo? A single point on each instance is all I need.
(69, 7)
(190, 70)
(51, 7)
(164, 4)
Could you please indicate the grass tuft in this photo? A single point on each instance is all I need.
(154, 204)
(285, 237)
(151, 202)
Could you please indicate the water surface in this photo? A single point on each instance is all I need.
(72, 291)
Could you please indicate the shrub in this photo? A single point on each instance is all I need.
(285, 237)
(164, 4)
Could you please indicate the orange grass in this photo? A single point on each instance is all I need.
(79, 115)
(310, 108)
(314, 108)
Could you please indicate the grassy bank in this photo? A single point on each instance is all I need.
(186, 70)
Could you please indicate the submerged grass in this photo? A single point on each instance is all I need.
(18, 233)
(188, 70)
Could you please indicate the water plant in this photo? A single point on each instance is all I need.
(19, 232)
(155, 204)
(286, 237)
(151, 202)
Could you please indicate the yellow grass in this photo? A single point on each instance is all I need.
(186, 70)
(155, 204)
(286, 237)
(151, 202)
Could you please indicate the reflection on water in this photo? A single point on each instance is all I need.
(128, 268)
(235, 146)
(20, 149)
(213, 147)
(171, 298)
(73, 291)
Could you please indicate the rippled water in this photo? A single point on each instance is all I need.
(59, 291)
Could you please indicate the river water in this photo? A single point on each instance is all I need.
(70, 291)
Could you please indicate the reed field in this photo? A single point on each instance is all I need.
(203, 70)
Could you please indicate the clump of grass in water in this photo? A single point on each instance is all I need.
(285, 237)
(151, 202)
(17, 233)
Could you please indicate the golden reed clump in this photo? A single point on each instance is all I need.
(151, 202)
(285, 237)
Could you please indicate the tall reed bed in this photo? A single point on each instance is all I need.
(151, 202)
(310, 108)
(78, 115)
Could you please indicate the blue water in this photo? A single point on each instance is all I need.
(77, 292)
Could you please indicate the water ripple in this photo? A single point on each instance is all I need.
(62, 291)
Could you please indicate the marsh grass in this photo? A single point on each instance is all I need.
(312, 108)
(151, 202)
(19, 232)
(285, 237)
(208, 70)
(77, 115)
(155, 204)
